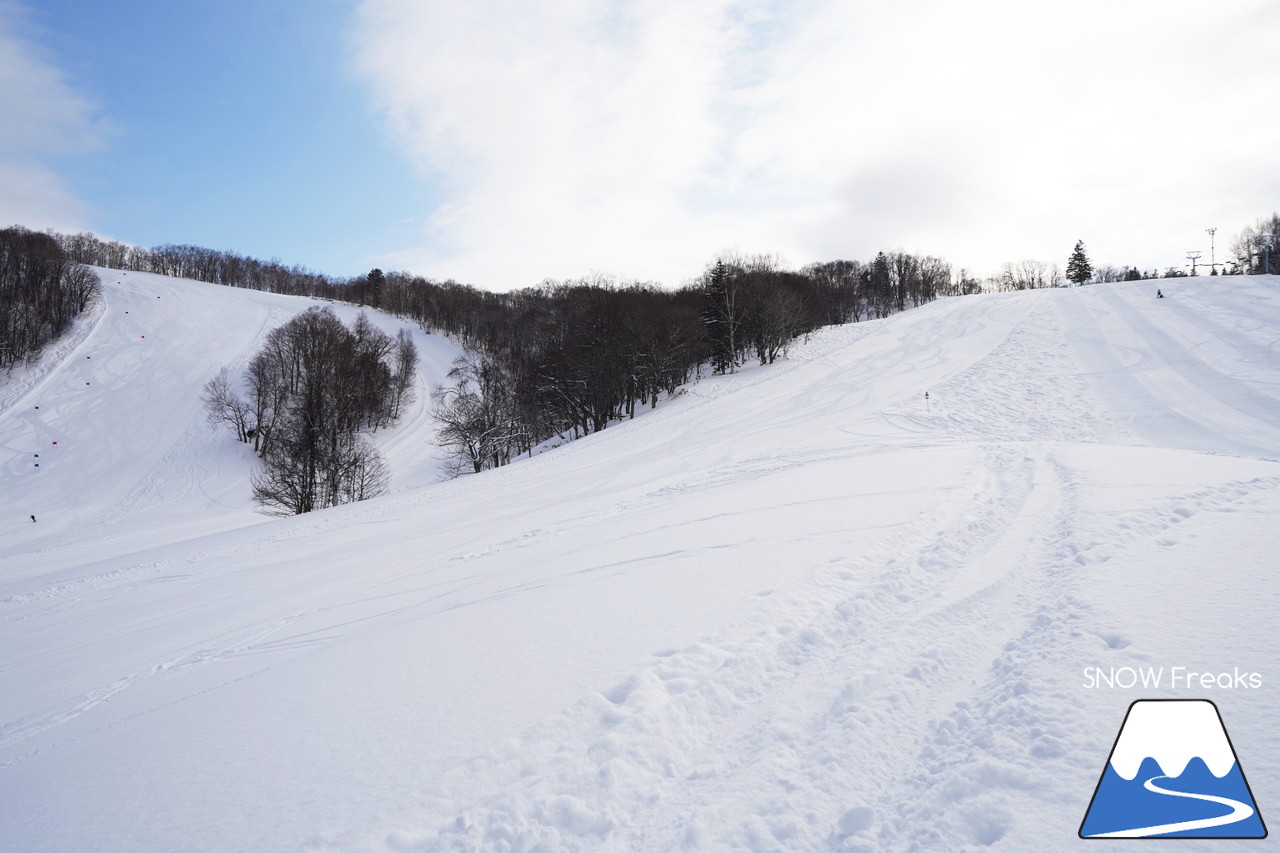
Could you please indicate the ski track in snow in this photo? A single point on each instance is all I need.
(768, 726)
(908, 678)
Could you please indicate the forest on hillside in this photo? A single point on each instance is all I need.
(42, 290)
(564, 358)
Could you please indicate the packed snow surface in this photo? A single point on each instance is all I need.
(795, 608)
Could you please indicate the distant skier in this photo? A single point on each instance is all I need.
(33, 519)
(1159, 295)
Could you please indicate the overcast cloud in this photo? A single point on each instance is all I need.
(641, 138)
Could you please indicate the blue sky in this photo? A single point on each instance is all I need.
(231, 124)
(503, 142)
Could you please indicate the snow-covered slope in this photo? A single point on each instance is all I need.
(107, 436)
(793, 608)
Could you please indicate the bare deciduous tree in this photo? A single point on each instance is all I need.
(224, 406)
(476, 415)
(403, 373)
(313, 386)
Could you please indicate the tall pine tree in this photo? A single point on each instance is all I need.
(374, 283)
(1079, 270)
(720, 316)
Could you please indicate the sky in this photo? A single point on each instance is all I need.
(502, 143)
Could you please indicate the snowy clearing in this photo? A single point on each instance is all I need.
(792, 609)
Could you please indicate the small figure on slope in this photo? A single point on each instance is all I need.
(33, 519)
(1159, 295)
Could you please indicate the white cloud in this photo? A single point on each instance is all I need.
(35, 197)
(43, 116)
(641, 137)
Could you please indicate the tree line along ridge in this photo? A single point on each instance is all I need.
(551, 362)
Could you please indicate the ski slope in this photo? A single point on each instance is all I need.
(791, 609)
(108, 436)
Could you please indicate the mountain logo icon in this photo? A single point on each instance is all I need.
(1172, 773)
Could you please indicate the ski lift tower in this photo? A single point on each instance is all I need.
(1191, 256)
(1213, 261)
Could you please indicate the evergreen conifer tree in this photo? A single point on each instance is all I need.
(1079, 270)
(720, 318)
(374, 282)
